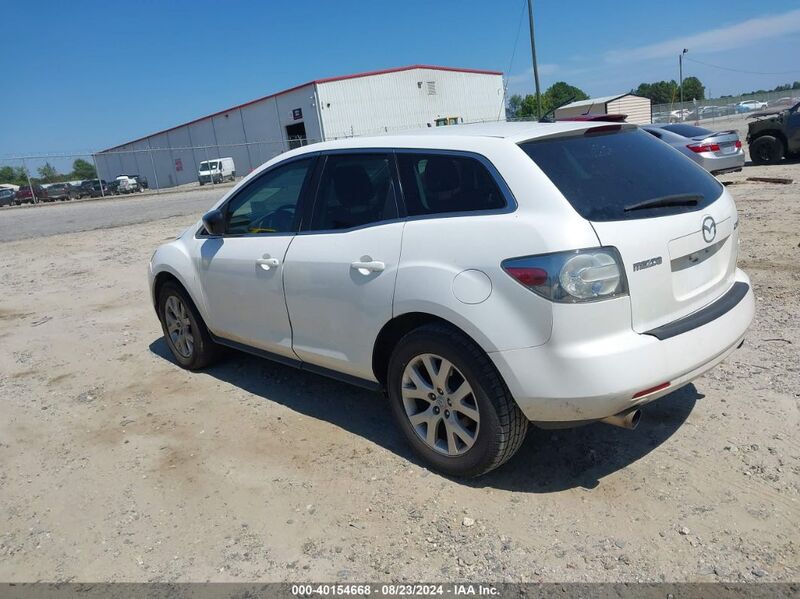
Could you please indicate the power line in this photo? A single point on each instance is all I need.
(511, 62)
(716, 66)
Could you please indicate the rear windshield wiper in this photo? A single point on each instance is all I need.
(682, 199)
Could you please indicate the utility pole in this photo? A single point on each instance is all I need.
(680, 75)
(535, 65)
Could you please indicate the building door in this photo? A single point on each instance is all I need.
(297, 135)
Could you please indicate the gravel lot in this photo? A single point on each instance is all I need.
(116, 465)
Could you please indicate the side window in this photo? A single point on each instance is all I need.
(437, 183)
(355, 190)
(268, 204)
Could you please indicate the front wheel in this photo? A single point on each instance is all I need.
(184, 330)
(766, 150)
(451, 403)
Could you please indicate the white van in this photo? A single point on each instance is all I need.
(216, 171)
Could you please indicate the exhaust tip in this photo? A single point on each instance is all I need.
(629, 420)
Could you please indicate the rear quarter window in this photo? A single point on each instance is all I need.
(602, 173)
(442, 183)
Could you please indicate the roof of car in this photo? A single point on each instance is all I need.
(452, 135)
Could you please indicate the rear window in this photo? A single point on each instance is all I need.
(687, 130)
(601, 174)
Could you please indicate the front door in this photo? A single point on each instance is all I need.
(241, 271)
(340, 269)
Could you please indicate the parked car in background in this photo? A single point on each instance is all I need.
(216, 171)
(7, 196)
(143, 184)
(709, 112)
(127, 184)
(61, 191)
(679, 115)
(717, 152)
(605, 278)
(95, 188)
(750, 105)
(31, 194)
(78, 189)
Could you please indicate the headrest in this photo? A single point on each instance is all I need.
(441, 174)
(352, 185)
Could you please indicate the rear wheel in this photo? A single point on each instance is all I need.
(766, 150)
(451, 403)
(184, 330)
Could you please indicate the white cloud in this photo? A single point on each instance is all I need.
(714, 40)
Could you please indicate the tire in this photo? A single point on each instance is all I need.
(202, 351)
(497, 427)
(766, 150)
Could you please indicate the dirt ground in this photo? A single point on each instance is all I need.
(116, 465)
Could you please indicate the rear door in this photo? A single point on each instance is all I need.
(673, 223)
(340, 271)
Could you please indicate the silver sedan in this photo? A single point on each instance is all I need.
(717, 152)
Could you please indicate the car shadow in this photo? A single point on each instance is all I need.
(548, 461)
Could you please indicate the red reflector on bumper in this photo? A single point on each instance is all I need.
(644, 392)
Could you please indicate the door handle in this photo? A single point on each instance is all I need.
(367, 267)
(267, 263)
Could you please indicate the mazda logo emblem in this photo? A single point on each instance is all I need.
(709, 229)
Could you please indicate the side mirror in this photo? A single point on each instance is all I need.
(214, 222)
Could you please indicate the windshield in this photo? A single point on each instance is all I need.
(602, 173)
(212, 165)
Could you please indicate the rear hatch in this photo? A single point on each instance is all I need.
(673, 223)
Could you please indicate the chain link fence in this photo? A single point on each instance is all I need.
(155, 169)
(722, 107)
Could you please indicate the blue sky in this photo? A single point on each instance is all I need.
(87, 74)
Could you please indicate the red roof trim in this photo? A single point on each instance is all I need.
(313, 82)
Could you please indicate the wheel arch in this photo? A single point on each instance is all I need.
(399, 326)
(166, 275)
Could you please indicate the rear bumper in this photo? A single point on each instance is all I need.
(579, 379)
(719, 164)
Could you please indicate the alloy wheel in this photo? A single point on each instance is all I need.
(179, 327)
(440, 404)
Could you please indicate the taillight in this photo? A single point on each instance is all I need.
(704, 147)
(528, 276)
(738, 144)
(570, 277)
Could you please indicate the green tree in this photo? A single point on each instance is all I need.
(16, 175)
(556, 95)
(659, 92)
(82, 169)
(48, 172)
(560, 93)
(513, 106)
(693, 89)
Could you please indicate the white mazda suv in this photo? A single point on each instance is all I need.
(482, 276)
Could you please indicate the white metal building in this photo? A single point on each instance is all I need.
(637, 108)
(362, 104)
